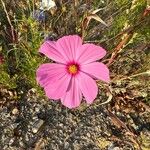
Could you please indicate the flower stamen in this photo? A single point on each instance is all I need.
(73, 69)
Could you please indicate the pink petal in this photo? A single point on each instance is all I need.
(68, 46)
(49, 49)
(89, 53)
(88, 87)
(50, 73)
(98, 70)
(73, 96)
(58, 89)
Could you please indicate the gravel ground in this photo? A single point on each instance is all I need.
(39, 124)
(33, 119)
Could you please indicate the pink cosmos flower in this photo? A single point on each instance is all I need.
(74, 72)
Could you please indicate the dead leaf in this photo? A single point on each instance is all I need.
(87, 18)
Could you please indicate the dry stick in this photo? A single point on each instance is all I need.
(110, 96)
(76, 3)
(120, 124)
(75, 11)
(33, 5)
(83, 30)
(136, 75)
(9, 21)
(119, 46)
(129, 29)
(124, 41)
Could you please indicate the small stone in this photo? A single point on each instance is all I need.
(21, 144)
(33, 90)
(116, 148)
(15, 111)
(11, 141)
(61, 125)
(88, 135)
(37, 109)
(10, 93)
(37, 125)
(66, 145)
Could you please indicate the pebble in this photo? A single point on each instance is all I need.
(11, 141)
(66, 145)
(15, 111)
(37, 125)
(71, 130)
(116, 148)
(88, 135)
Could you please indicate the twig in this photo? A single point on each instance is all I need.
(136, 75)
(107, 101)
(129, 32)
(120, 124)
(9, 21)
(119, 46)
(110, 96)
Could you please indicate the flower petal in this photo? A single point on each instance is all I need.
(58, 89)
(68, 46)
(98, 70)
(49, 49)
(89, 53)
(88, 87)
(73, 96)
(50, 73)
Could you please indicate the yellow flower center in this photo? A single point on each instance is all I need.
(73, 69)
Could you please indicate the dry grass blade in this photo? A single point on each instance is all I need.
(76, 2)
(9, 21)
(116, 121)
(118, 48)
(110, 96)
(97, 10)
(97, 18)
(108, 100)
(88, 17)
